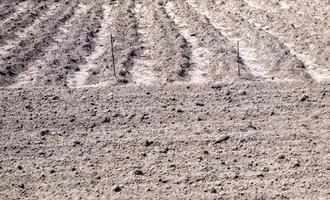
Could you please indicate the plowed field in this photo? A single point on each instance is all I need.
(177, 121)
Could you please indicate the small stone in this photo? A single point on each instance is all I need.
(22, 186)
(52, 171)
(281, 157)
(19, 167)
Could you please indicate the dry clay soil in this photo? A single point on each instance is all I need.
(177, 122)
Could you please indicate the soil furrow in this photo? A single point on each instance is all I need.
(14, 9)
(125, 32)
(143, 68)
(265, 56)
(103, 37)
(163, 43)
(222, 55)
(29, 30)
(28, 13)
(295, 35)
(199, 54)
(74, 43)
(23, 56)
(6, 10)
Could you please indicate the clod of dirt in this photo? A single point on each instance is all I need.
(19, 167)
(260, 175)
(162, 180)
(216, 86)
(22, 186)
(180, 111)
(200, 104)
(165, 150)
(123, 72)
(297, 164)
(281, 157)
(123, 81)
(106, 120)
(116, 188)
(222, 139)
(44, 132)
(213, 190)
(200, 119)
(251, 126)
(138, 172)
(242, 93)
(76, 143)
(148, 143)
(304, 98)
(181, 72)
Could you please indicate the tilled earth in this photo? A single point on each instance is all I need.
(177, 122)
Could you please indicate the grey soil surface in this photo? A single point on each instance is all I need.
(177, 122)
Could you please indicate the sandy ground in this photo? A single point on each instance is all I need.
(176, 122)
